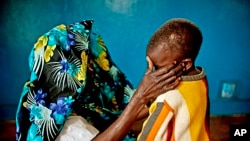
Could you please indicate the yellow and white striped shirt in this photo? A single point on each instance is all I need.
(180, 114)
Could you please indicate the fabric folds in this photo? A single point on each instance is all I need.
(71, 71)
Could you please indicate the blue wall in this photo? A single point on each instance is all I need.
(126, 26)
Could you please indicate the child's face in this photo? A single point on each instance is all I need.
(161, 56)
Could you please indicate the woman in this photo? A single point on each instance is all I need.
(73, 74)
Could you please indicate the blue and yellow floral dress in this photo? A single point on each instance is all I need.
(71, 71)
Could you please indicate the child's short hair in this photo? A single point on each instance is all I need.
(180, 35)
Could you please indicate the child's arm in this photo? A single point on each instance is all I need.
(159, 124)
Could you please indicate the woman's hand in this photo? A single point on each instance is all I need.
(159, 81)
(153, 84)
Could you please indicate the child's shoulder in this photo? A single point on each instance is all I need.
(172, 97)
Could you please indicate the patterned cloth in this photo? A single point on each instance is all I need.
(70, 72)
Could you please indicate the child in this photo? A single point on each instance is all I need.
(180, 114)
(76, 91)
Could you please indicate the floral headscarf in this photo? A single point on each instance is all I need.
(71, 72)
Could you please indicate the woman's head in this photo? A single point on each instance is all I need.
(176, 40)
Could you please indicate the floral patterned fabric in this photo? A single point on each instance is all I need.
(70, 72)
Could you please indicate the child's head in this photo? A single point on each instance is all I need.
(176, 40)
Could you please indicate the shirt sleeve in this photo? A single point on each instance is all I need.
(158, 126)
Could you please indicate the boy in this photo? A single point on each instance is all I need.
(76, 91)
(180, 114)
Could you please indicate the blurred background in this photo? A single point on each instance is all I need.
(126, 27)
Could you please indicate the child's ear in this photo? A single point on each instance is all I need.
(188, 63)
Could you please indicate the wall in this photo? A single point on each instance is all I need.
(126, 27)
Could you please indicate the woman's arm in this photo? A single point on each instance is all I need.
(153, 84)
